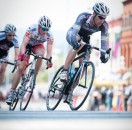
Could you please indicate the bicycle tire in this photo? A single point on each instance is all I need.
(53, 89)
(74, 105)
(14, 104)
(24, 101)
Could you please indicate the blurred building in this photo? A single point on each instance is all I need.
(126, 36)
(120, 39)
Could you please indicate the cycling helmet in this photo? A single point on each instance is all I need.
(10, 28)
(101, 8)
(44, 22)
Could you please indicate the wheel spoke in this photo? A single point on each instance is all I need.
(54, 95)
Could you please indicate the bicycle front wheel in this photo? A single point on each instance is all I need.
(28, 88)
(82, 85)
(55, 91)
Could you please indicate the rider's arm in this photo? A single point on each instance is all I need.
(104, 36)
(49, 47)
(25, 41)
(104, 42)
(16, 53)
(77, 26)
(16, 47)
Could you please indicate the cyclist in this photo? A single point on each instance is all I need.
(79, 34)
(34, 37)
(8, 39)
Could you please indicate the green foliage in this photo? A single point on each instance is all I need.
(42, 76)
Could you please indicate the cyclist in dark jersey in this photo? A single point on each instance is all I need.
(8, 39)
(79, 34)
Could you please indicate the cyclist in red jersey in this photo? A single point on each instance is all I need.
(34, 37)
(8, 39)
(79, 34)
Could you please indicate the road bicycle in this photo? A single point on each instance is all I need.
(28, 82)
(77, 88)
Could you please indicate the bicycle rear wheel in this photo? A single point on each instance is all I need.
(81, 86)
(55, 91)
(28, 89)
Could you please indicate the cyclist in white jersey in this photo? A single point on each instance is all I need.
(79, 34)
(8, 39)
(35, 36)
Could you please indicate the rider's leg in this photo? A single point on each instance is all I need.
(2, 72)
(40, 51)
(16, 79)
(70, 57)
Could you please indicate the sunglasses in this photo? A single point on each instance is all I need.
(45, 29)
(101, 18)
(10, 35)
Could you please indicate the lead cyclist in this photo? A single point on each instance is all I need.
(79, 34)
(35, 37)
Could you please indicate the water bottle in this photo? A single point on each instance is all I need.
(73, 73)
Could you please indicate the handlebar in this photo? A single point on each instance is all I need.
(37, 56)
(8, 62)
(15, 66)
(99, 49)
(5, 61)
(49, 61)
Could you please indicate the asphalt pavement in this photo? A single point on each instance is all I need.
(65, 120)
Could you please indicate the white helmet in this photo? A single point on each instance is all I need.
(10, 28)
(44, 22)
(101, 8)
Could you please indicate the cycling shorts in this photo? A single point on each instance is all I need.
(35, 48)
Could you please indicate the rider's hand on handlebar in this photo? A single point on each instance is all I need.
(49, 64)
(104, 57)
(20, 57)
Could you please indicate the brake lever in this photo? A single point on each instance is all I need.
(49, 61)
(108, 51)
(15, 66)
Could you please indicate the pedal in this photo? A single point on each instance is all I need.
(59, 87)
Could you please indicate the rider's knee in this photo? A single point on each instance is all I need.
(21, 68)
(74, 41)
(76, 47)
(3, 69)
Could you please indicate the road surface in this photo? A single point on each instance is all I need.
(65, 120)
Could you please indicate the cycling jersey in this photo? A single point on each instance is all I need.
(83, 28)
(35, 37)
(5, 45)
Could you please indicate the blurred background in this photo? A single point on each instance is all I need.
(112, 88)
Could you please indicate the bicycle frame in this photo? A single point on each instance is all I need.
(32, 67)
(86, 56)
(83, 55)
(85, 60)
